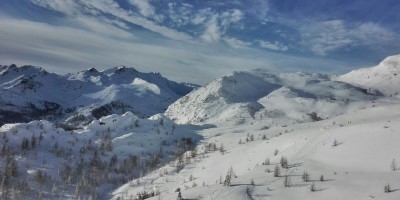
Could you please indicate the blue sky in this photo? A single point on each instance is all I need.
(199, 40)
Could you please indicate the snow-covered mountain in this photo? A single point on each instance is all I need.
(273, 136)
(261, 94)
(384, 77)
(29, 93)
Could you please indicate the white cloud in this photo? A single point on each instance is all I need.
(231, 16)
(67, 7)
(236, 43)
(371, 34)
(76, 8)
(328, 36)
(213, 31)
(199, 19)
(218, 24)
(260, 9)
(146, 9)
(103, 26)
(275, 46)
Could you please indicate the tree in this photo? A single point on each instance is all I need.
(335, 143)
(193, 153)
(181, 162)
(228, 177)
(306, 176)
(276, 152)
(251, 137)
(284, 162)
(393, 166)
(136, 123)
(214, 146)
(191, 177)
(286, 182)
(25, 144)
(264, 137)
(40, 177)
(387, 188)
(33, 142)
(162, 121)
(267, 162)
(113, 160)
(321, 178)
(248, 192)
(10, 170)
(106, 144)
(40, 138)
(221, 148)
(277, 171)
(312, 188)
(179, 197)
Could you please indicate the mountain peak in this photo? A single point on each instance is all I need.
(121, 69)
(92, 70)
(392, 62)
(384, 77)
(27, 70)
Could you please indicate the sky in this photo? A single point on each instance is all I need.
(199, 40)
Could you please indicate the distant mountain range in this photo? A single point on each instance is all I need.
(29, 93)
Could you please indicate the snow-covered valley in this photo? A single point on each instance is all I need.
(247, 135)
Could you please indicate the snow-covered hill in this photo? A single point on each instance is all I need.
(29, 93)
(351, 156)
(259, 94)
(42, 161)
(384, 77)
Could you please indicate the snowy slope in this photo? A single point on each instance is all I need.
(384, 77)
(106, 153)
(358, 167)
(262, 94)
(40, 94)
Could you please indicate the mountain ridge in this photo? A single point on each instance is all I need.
(116, 90)
(259, 93)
